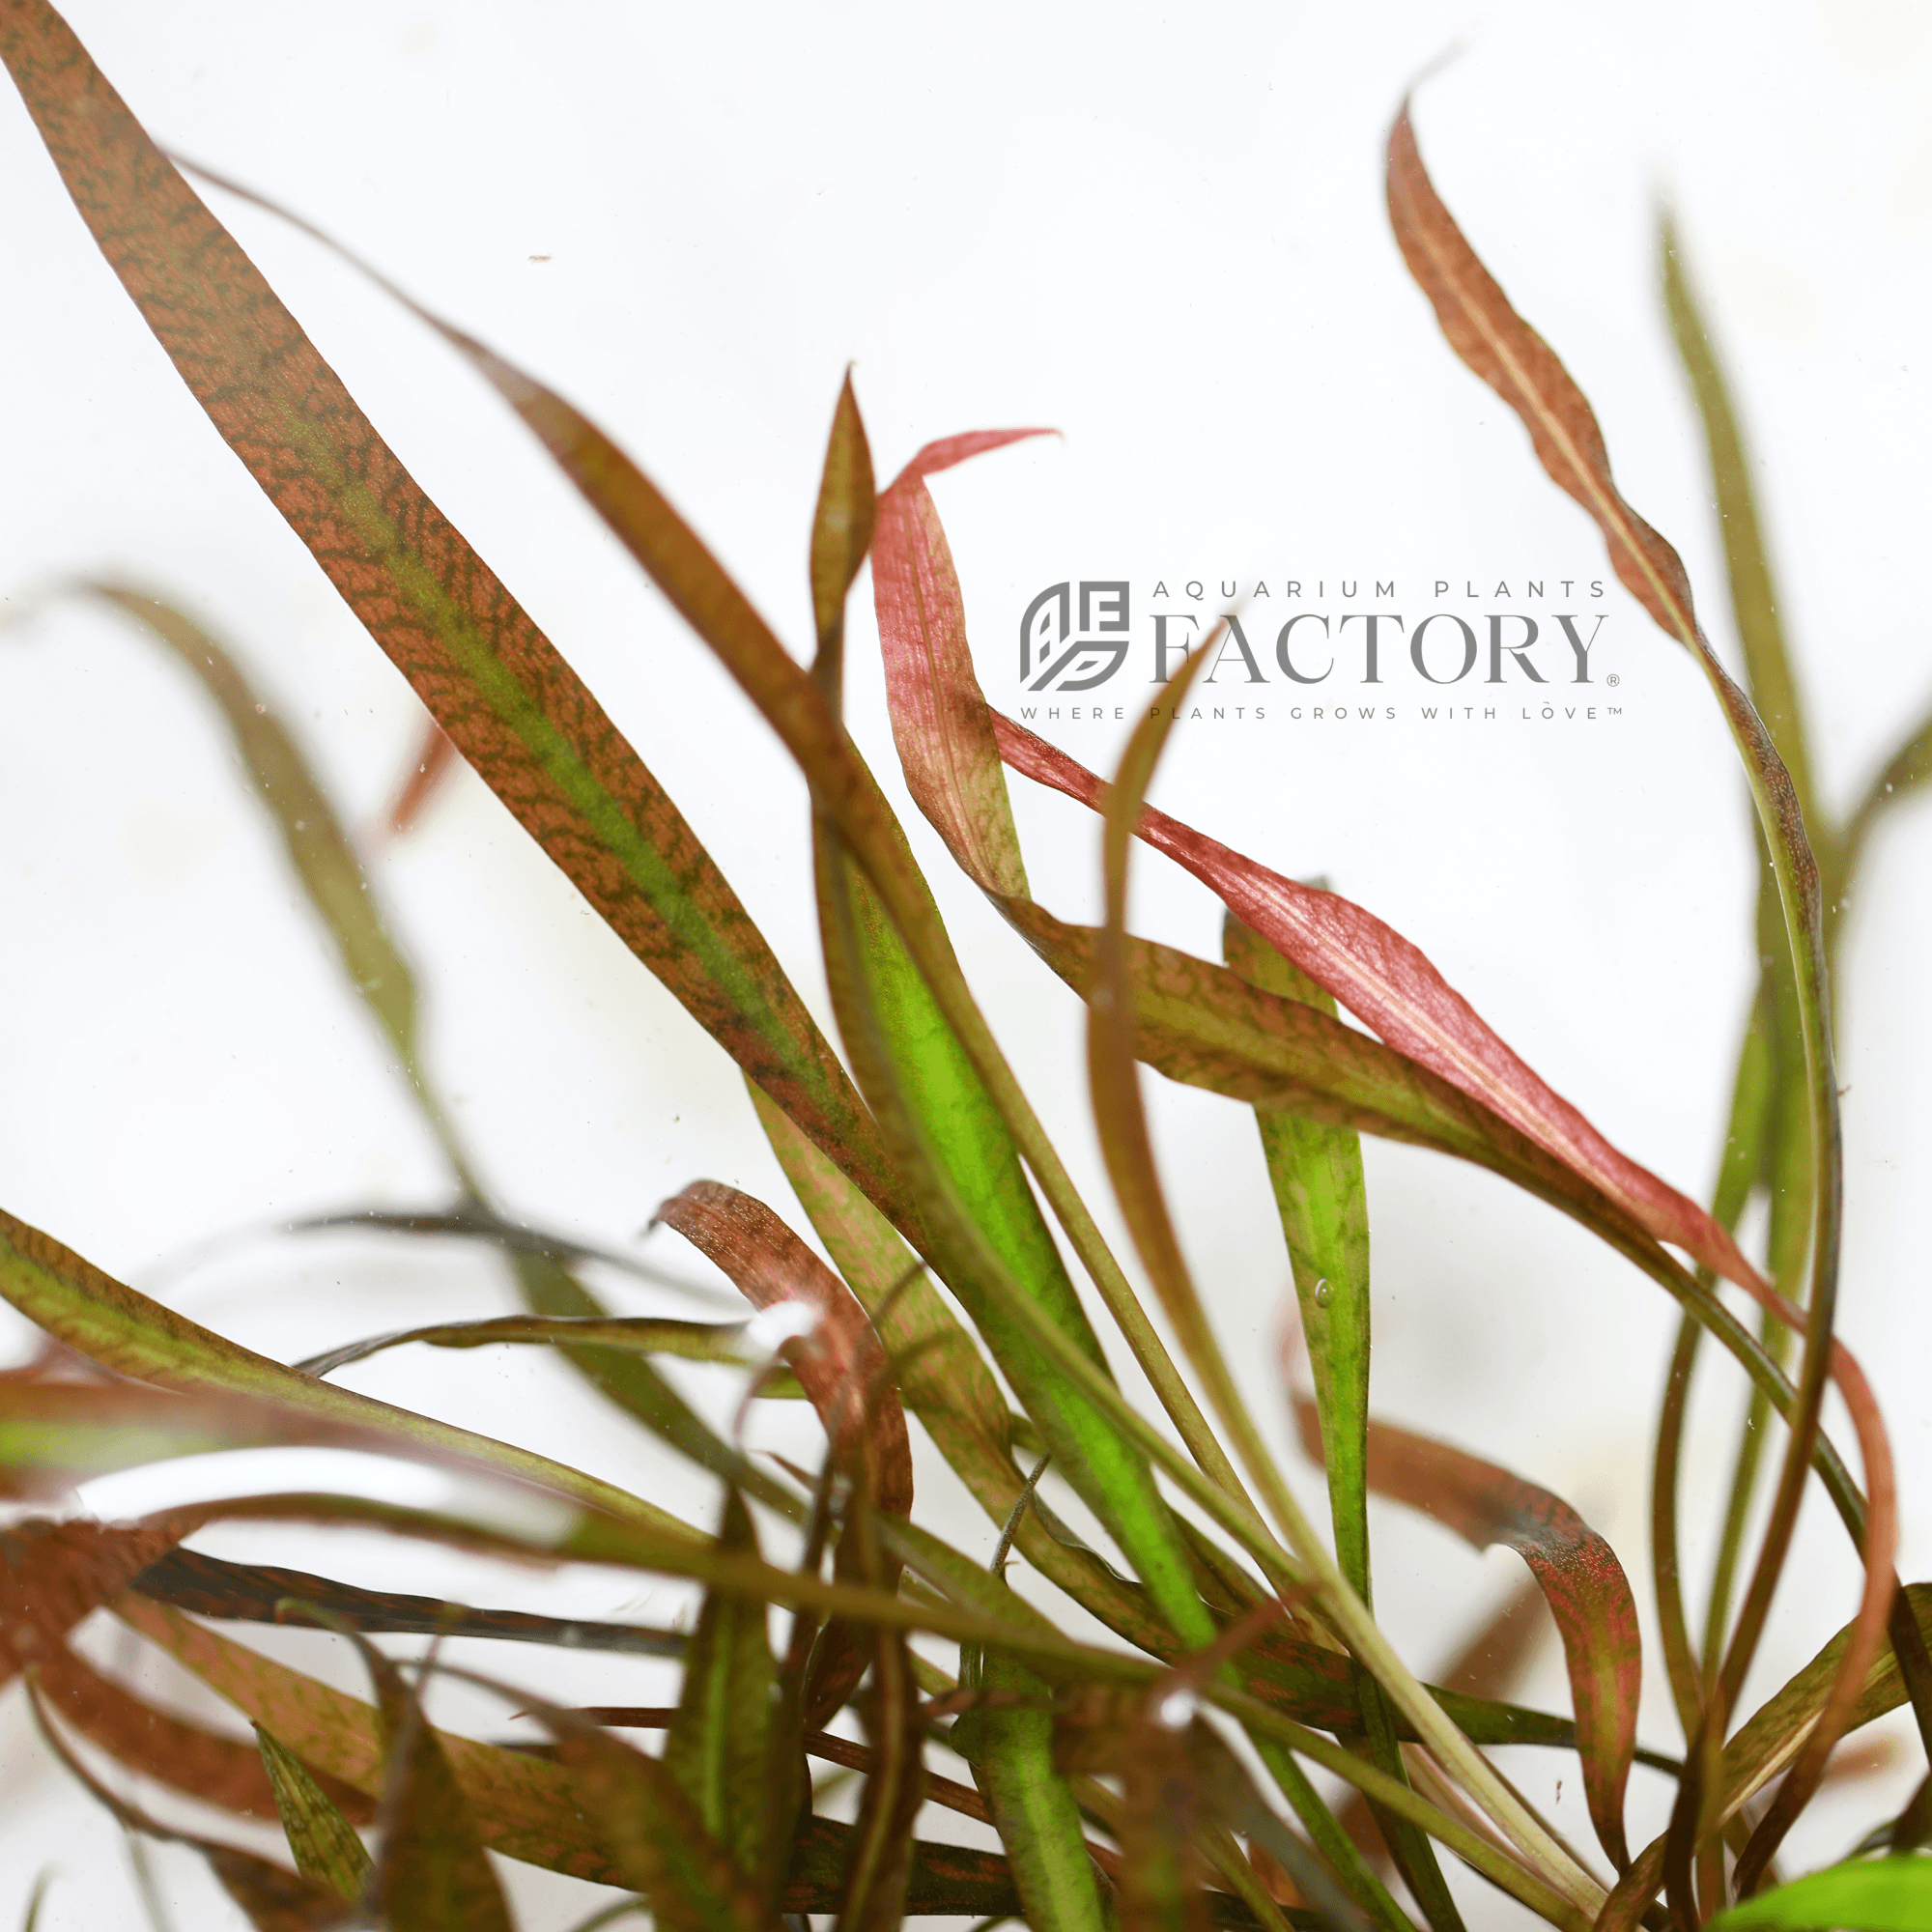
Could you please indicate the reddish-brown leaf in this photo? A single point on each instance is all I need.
(844, 1371)
(216, 1770)
(54, 1574)
(525, 721)
(273, 1900)
(841, 1363)
(1577, 1572)
(1501, 347)
(525, 1807)
(251, 1593)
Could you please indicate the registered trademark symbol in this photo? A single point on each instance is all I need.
(1613, 678)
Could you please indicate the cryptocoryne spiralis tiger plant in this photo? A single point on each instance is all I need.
(1167, 1775)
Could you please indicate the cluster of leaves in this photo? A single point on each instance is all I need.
(1160, 1781)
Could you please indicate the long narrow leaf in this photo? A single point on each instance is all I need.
(251, 1593)
(523, 1806)
(209, 1766)
(719, 1739)
(837, 1358)
(1391, 986)
(125, 1330)
(975, 1197)
(515, 710)
(1507, 354)
(1316, 1173)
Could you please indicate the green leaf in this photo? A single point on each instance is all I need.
(124, 1330)
(1768, 669)
(1876, 1895)
(719, 1741)
(957, 1149)
(517, 712)
(1010, 1745)
(318, 850)
(327, 1849)
(1316, 1173)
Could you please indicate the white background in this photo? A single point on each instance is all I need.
(1162, 234)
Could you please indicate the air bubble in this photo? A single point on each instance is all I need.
(1176, 1710)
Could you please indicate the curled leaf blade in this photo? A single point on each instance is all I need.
(1576, 1571)
(940, 720)
(840, 1360)
(842, 1367)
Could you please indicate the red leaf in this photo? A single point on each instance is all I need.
(1391, 986)
(941, 723)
